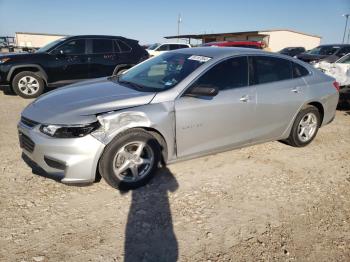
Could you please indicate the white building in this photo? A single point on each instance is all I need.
(275, 40)
(35, 40)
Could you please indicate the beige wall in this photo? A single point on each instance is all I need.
(281, 39)
(35, 40)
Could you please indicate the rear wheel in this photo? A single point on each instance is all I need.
(28, 85)
(130, 160)
(305, 127)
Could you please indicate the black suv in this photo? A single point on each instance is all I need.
(68, 60)
(328, 53)
(292, 51)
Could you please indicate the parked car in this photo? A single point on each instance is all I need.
(292, 51)
(157, 49)
(247, 44)
(68, 60)
(179, 105)
(329, 53)
(340, 70)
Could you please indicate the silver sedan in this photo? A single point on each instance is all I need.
(179, 105)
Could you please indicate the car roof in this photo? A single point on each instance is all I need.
(341, 45)
(172, 43)
(96, 36)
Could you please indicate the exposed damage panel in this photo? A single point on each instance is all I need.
(340, 69)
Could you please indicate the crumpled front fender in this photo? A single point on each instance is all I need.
(158, 117)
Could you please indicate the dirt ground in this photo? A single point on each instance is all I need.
(269, 202)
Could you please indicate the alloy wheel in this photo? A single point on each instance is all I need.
(133, 161)
(307, 127)
(28, 85)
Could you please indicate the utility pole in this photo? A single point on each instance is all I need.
(346, 25)
(179, 20)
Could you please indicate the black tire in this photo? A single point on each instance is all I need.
(107, 160)
(294, 139)
(8, 91)
(31, 92)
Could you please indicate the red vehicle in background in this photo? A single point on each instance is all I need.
(247, 44)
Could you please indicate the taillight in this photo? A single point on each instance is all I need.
(336, 85)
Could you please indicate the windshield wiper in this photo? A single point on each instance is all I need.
(129, 83)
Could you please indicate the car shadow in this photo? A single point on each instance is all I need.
(149, 233)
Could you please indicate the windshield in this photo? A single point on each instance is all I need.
(324, 50)
(162, 72)
(344, 60)
(47, 47)
(152, 47)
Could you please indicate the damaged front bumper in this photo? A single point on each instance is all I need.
(71, 160)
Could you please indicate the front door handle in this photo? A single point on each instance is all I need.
(244, 98)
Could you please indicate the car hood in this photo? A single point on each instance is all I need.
(20, 55)
(79, 103)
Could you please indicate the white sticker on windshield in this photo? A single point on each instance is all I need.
(199, 58)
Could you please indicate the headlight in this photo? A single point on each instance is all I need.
(3, 60)
(69, 131)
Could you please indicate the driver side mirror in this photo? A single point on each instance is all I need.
(58, 53)
(203, 90)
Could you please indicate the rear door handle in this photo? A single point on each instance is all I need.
(296, 89)
(244, 98)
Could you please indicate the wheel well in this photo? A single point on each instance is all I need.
(161, 141)
(29, 68)
(157, 135)
(320, 109)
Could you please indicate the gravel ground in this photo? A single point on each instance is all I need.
(267, 202)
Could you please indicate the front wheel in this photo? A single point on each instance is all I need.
(305, 127)
(27, 84)
(130, 160)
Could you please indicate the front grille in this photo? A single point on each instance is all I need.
(28, 122)
(25, 142)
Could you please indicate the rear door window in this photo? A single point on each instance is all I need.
(182, 46)
(174, 47)
(266, 69)
(102, 46)
(163, 48)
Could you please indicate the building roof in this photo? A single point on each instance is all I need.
(28, 33)
(200, 36)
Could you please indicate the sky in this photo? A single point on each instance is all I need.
(149, 21)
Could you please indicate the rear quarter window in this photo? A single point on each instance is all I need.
(123, 46)
(299, 70)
